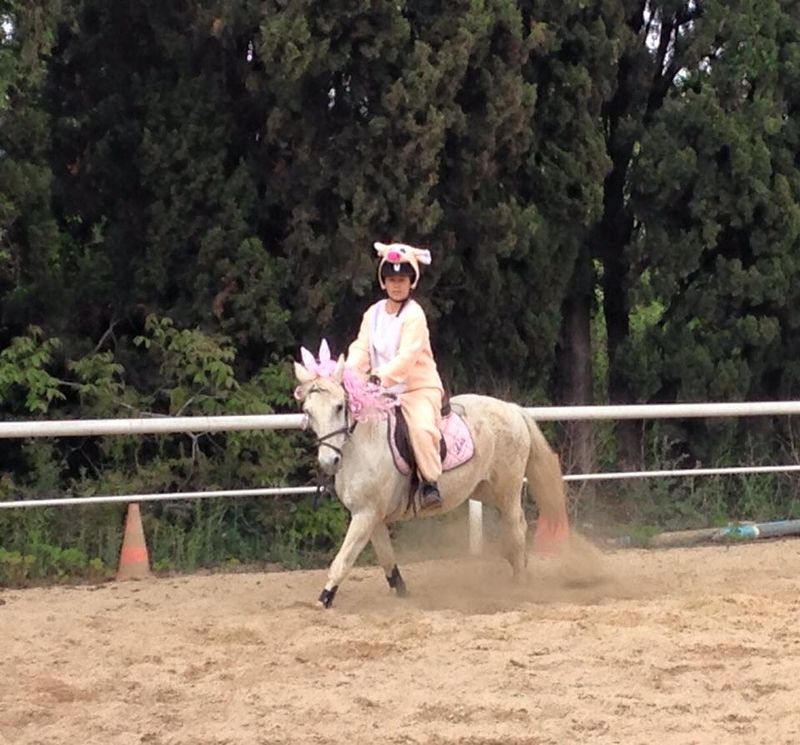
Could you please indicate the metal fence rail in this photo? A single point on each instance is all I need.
(167, 497)
(664, 411)
(294, 490)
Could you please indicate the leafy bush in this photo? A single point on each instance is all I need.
(182, 372)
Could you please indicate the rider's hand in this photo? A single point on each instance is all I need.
(374, 379)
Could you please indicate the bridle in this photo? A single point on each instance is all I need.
(346, 430)
(325, 484)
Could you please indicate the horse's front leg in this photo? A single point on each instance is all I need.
(358, 533)
(382, 543)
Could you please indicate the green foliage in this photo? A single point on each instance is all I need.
(307, 529)
(29, 236)
(190, 373)
(49, 563)
(98, 381)
(7, 57)
(195, 368)
(25, 384)
(190, 190)
(719, 218)
(14, 567)
(679, 503)
(682, 503)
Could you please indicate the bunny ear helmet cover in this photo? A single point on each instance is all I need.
(399, 254)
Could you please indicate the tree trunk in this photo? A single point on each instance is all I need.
(617, 316)
(611, 236)
(575, 381)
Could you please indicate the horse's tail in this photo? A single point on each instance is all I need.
(547, 484)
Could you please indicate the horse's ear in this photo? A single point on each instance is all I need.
(303, 375)
(338, 373)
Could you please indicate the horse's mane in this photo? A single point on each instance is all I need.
(366, 400)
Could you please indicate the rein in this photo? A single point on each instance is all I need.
(347, 430)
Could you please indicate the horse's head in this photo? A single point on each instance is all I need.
(324, 402)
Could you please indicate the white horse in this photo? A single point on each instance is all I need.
(508, 447)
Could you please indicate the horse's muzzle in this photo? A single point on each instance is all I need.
(330, 463)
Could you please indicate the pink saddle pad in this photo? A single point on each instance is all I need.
(456, 434)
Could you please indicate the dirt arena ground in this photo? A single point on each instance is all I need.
(697, 645)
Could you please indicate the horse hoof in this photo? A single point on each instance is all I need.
(396, 583)
(326, 596)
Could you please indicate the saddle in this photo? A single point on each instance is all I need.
(456, 446)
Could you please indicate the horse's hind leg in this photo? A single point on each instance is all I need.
(507, 497)
(515, 528)
(382, 543)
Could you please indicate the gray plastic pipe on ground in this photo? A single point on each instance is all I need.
(759, 530)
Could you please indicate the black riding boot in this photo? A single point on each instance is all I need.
(429, 496)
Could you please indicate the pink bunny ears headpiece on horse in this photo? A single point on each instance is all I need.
(401, 253)
(325, 366)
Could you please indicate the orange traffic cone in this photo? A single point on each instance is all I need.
(134, 562)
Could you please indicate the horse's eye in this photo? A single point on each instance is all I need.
(339, 408)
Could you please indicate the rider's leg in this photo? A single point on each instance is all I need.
(422, 409)
(382, 543)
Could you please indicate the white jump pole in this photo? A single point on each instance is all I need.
(151, 425)
(163, 425)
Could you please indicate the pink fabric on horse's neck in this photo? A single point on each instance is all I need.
(365, 400)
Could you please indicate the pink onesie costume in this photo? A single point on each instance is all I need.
(397, 348)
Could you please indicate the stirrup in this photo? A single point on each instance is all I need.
(429, 495)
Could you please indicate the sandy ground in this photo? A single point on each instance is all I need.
(696, 645)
